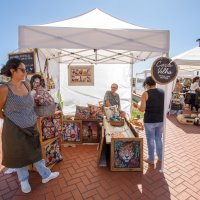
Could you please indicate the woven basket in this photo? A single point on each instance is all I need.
(117, 123)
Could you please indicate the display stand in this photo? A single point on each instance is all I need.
(50, 129)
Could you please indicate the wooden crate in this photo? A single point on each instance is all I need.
(45, 142)
(50, 127)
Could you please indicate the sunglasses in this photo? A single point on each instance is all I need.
(23, 70)
(114, 87)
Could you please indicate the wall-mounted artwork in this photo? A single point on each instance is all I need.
(72, 131)
(80, 75)
(126, 154)
(90, 131)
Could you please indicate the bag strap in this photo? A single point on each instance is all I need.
(27, 85)
(36, 50)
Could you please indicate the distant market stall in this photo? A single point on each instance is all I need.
(190, 61)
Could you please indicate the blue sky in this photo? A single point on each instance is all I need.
(181, 17)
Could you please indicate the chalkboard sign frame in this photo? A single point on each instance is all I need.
(22, 56)
(155, 70)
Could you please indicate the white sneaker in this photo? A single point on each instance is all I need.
(25, 186)
(51, 176)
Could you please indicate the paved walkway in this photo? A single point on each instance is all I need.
(81, 178)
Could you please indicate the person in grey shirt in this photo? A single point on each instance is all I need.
(112, 98)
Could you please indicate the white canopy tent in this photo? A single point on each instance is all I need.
(95, 38)
(189, 60)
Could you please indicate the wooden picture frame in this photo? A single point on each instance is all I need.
(51, 152)
(90, 131)
(120, 147)
(81, 75)
(50, 127)
(71, 131)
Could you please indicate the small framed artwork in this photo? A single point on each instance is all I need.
(126, 154)
(51, 126)
(90, 130)
(72, 131)
(51, 152)
(80, 75)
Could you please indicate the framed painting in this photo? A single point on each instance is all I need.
(71, 131)
(126, 154)
(81, 75)
(51, 152)
(90, 130)
(51, 126)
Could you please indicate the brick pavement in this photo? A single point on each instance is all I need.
(81, 178)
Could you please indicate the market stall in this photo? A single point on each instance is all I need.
(84, 45)
(189, 61)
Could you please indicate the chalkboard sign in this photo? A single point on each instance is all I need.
(28, 59)
(164, 70)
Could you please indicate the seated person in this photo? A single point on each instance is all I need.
(44, 102)
(112, 98)
(35, 82)
(39, 93)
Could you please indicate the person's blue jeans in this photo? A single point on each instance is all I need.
(154, 133)
(44, 171)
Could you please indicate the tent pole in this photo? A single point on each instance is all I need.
(131, 82)
(164, 124)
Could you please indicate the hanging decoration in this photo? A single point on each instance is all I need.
(41, 73)
(60, 100)
(49, 80)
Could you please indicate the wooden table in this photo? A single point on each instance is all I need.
(117, 132)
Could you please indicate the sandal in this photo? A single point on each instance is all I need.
(151, 162)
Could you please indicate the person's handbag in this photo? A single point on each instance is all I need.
(42, 97)
(44, 103)
(45, 111)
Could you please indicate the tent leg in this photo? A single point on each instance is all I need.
(131, 82)
(164, 128)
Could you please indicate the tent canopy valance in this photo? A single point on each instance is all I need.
(95, 37)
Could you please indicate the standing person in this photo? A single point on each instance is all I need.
(19, 127)
(193, 89)
(178, 86)
(152, 103)
(112, 98)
